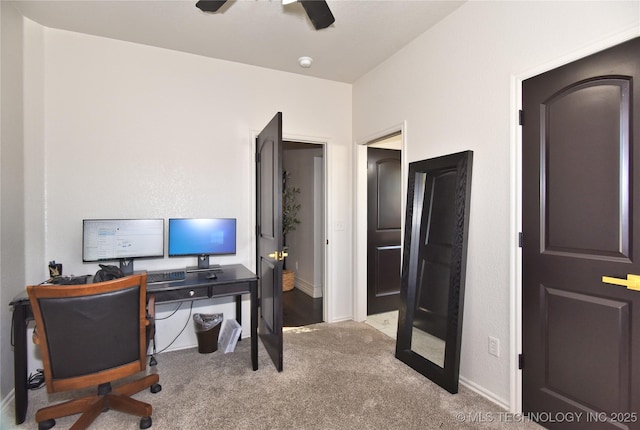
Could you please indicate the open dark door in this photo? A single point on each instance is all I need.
(581, 221)
(269, 259)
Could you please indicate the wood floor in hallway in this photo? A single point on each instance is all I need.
(300, 309)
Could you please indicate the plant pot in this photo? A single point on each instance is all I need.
(288, 278)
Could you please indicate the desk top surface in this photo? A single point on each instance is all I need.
(231, 274)
(227, 274)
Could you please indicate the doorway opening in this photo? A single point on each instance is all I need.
(302, 299)
(384, 216)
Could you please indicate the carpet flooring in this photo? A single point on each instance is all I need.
(336, 376)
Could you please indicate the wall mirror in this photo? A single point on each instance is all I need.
(434, 267)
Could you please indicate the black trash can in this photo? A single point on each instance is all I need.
(207, 330)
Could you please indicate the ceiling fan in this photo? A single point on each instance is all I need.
(317, 10)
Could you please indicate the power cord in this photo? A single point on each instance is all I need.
(36, 380)
(183, 328)
(172, 313)
(152, 360)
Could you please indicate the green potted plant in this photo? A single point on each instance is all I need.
(290, 208)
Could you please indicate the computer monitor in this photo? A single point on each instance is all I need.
(202, 237)
(122, 240)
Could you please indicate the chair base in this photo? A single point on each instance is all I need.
(107, 398)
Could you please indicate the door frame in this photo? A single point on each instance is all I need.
(328, 293)
(515, 215)
(360, 211)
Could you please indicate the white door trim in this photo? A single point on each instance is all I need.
(360, 212)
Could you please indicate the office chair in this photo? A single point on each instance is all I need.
(92, 335)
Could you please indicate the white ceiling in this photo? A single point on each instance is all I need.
(258, 32)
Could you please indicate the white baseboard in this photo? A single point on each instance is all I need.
(485, 393)
(308, 288)
(7, 416)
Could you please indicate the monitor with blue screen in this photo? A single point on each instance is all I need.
(202, 237)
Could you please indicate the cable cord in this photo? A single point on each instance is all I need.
(183, 328)
(172, 313)
(36, 380)
(152, 361)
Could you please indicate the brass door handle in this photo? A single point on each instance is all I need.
(278, 255)
(632, 282)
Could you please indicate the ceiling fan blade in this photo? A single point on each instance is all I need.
(319, 13)
(210, 5)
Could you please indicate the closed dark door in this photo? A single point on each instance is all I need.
(383, 229)
(581, 220)
(269, 236)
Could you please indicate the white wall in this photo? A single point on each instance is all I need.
(132, 131)
(453, 86)
(12, 257)
(300, 242)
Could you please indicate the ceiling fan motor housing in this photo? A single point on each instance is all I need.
(319, 13)
(210, 5)
(317, 10)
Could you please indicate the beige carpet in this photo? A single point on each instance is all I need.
(336, 376)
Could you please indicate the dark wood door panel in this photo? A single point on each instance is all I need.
(579, 325)
(388, 193)
(578, 198)
(387, 263)
(383, 230)
(268, 300)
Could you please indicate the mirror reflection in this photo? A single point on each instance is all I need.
(432, 289)
(428, 346)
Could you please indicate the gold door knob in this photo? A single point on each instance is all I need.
(632, 282)
(276, 255)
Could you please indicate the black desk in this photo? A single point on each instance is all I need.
(233, 280)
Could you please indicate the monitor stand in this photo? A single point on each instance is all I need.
(203, 265)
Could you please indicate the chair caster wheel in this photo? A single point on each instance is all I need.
(155, 388)
(145, 422)
(46, 425)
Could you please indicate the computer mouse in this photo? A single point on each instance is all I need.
(212, 276)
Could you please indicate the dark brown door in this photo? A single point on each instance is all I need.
(269, 236)
(581, 220)
(383, 229)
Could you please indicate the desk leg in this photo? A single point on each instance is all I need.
(20, 362)
(254, 325)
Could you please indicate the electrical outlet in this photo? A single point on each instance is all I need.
(494, 346)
